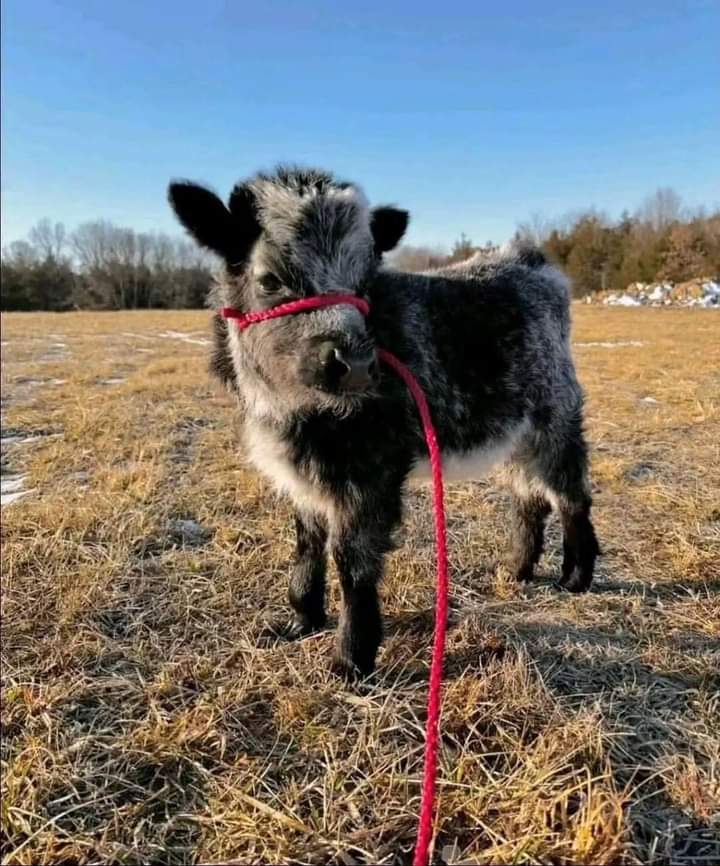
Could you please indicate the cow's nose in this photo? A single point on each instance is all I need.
(358, 370)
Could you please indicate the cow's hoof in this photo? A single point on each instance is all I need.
(524, 575)
(574, 582)
(288, 628)
(348, 670)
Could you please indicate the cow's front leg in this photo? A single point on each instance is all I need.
(359, 552)
(307, 582)
(359, 561)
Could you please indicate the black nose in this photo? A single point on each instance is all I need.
(350, 372)
(358, 371)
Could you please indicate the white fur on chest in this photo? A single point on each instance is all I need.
(270, 456)
(474, 464)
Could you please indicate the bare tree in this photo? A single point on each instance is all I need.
(661, 209)
(534, 231)
(49, 239)
(122, 268)
(407, 258)
(20, 254)
(463, 248)
(91, 244)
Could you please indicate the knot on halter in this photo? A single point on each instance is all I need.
(432, 732)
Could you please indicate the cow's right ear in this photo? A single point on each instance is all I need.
(388, 225)
(204, 215)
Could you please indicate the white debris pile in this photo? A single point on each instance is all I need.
(660, 292)
(711, 294)
(622, 301)
(703, 292)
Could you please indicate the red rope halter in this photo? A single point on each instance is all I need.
(432, 733)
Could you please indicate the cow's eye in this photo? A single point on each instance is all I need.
(269, 283)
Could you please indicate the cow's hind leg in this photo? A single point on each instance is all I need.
(580, 546)
(562, 464)
(307, 581)
(529, 513)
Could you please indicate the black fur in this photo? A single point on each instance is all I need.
(533, 257)
(221, 365)
(230, 233)
(388, 225)
(529, 516)
(307, 583)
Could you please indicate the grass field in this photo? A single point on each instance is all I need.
(147, 717)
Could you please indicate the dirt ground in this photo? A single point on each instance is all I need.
(146, 716)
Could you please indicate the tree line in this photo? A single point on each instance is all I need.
(103, 266)
(661, 240)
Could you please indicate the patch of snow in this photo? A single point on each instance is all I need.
(186, 338)
(623, 301)
(137, 336)
(19, 440)
(641, 471)
(650, 400)
(609, 345)
(11, 489)
(13, 483)
(16, 436)
(54, 354)
(24, 380)
(189, 532)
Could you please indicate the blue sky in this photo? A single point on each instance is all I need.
(472, 115)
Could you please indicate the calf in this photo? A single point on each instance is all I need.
(487, 339)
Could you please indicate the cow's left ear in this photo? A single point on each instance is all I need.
(388, 225)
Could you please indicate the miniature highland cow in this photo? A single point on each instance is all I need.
(487, 339)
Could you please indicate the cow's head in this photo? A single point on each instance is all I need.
(295, 234)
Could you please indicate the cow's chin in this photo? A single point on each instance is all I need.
(341, 403)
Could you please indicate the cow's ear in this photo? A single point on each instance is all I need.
(228, 232)
(388, 225)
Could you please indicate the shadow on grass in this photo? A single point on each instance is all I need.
(648, 715)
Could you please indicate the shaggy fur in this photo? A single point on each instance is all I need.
(487, 339)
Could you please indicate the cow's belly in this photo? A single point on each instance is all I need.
(475, 463)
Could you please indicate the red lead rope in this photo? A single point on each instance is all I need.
(432, 733)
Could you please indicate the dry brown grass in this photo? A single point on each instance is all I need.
(145, 719)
